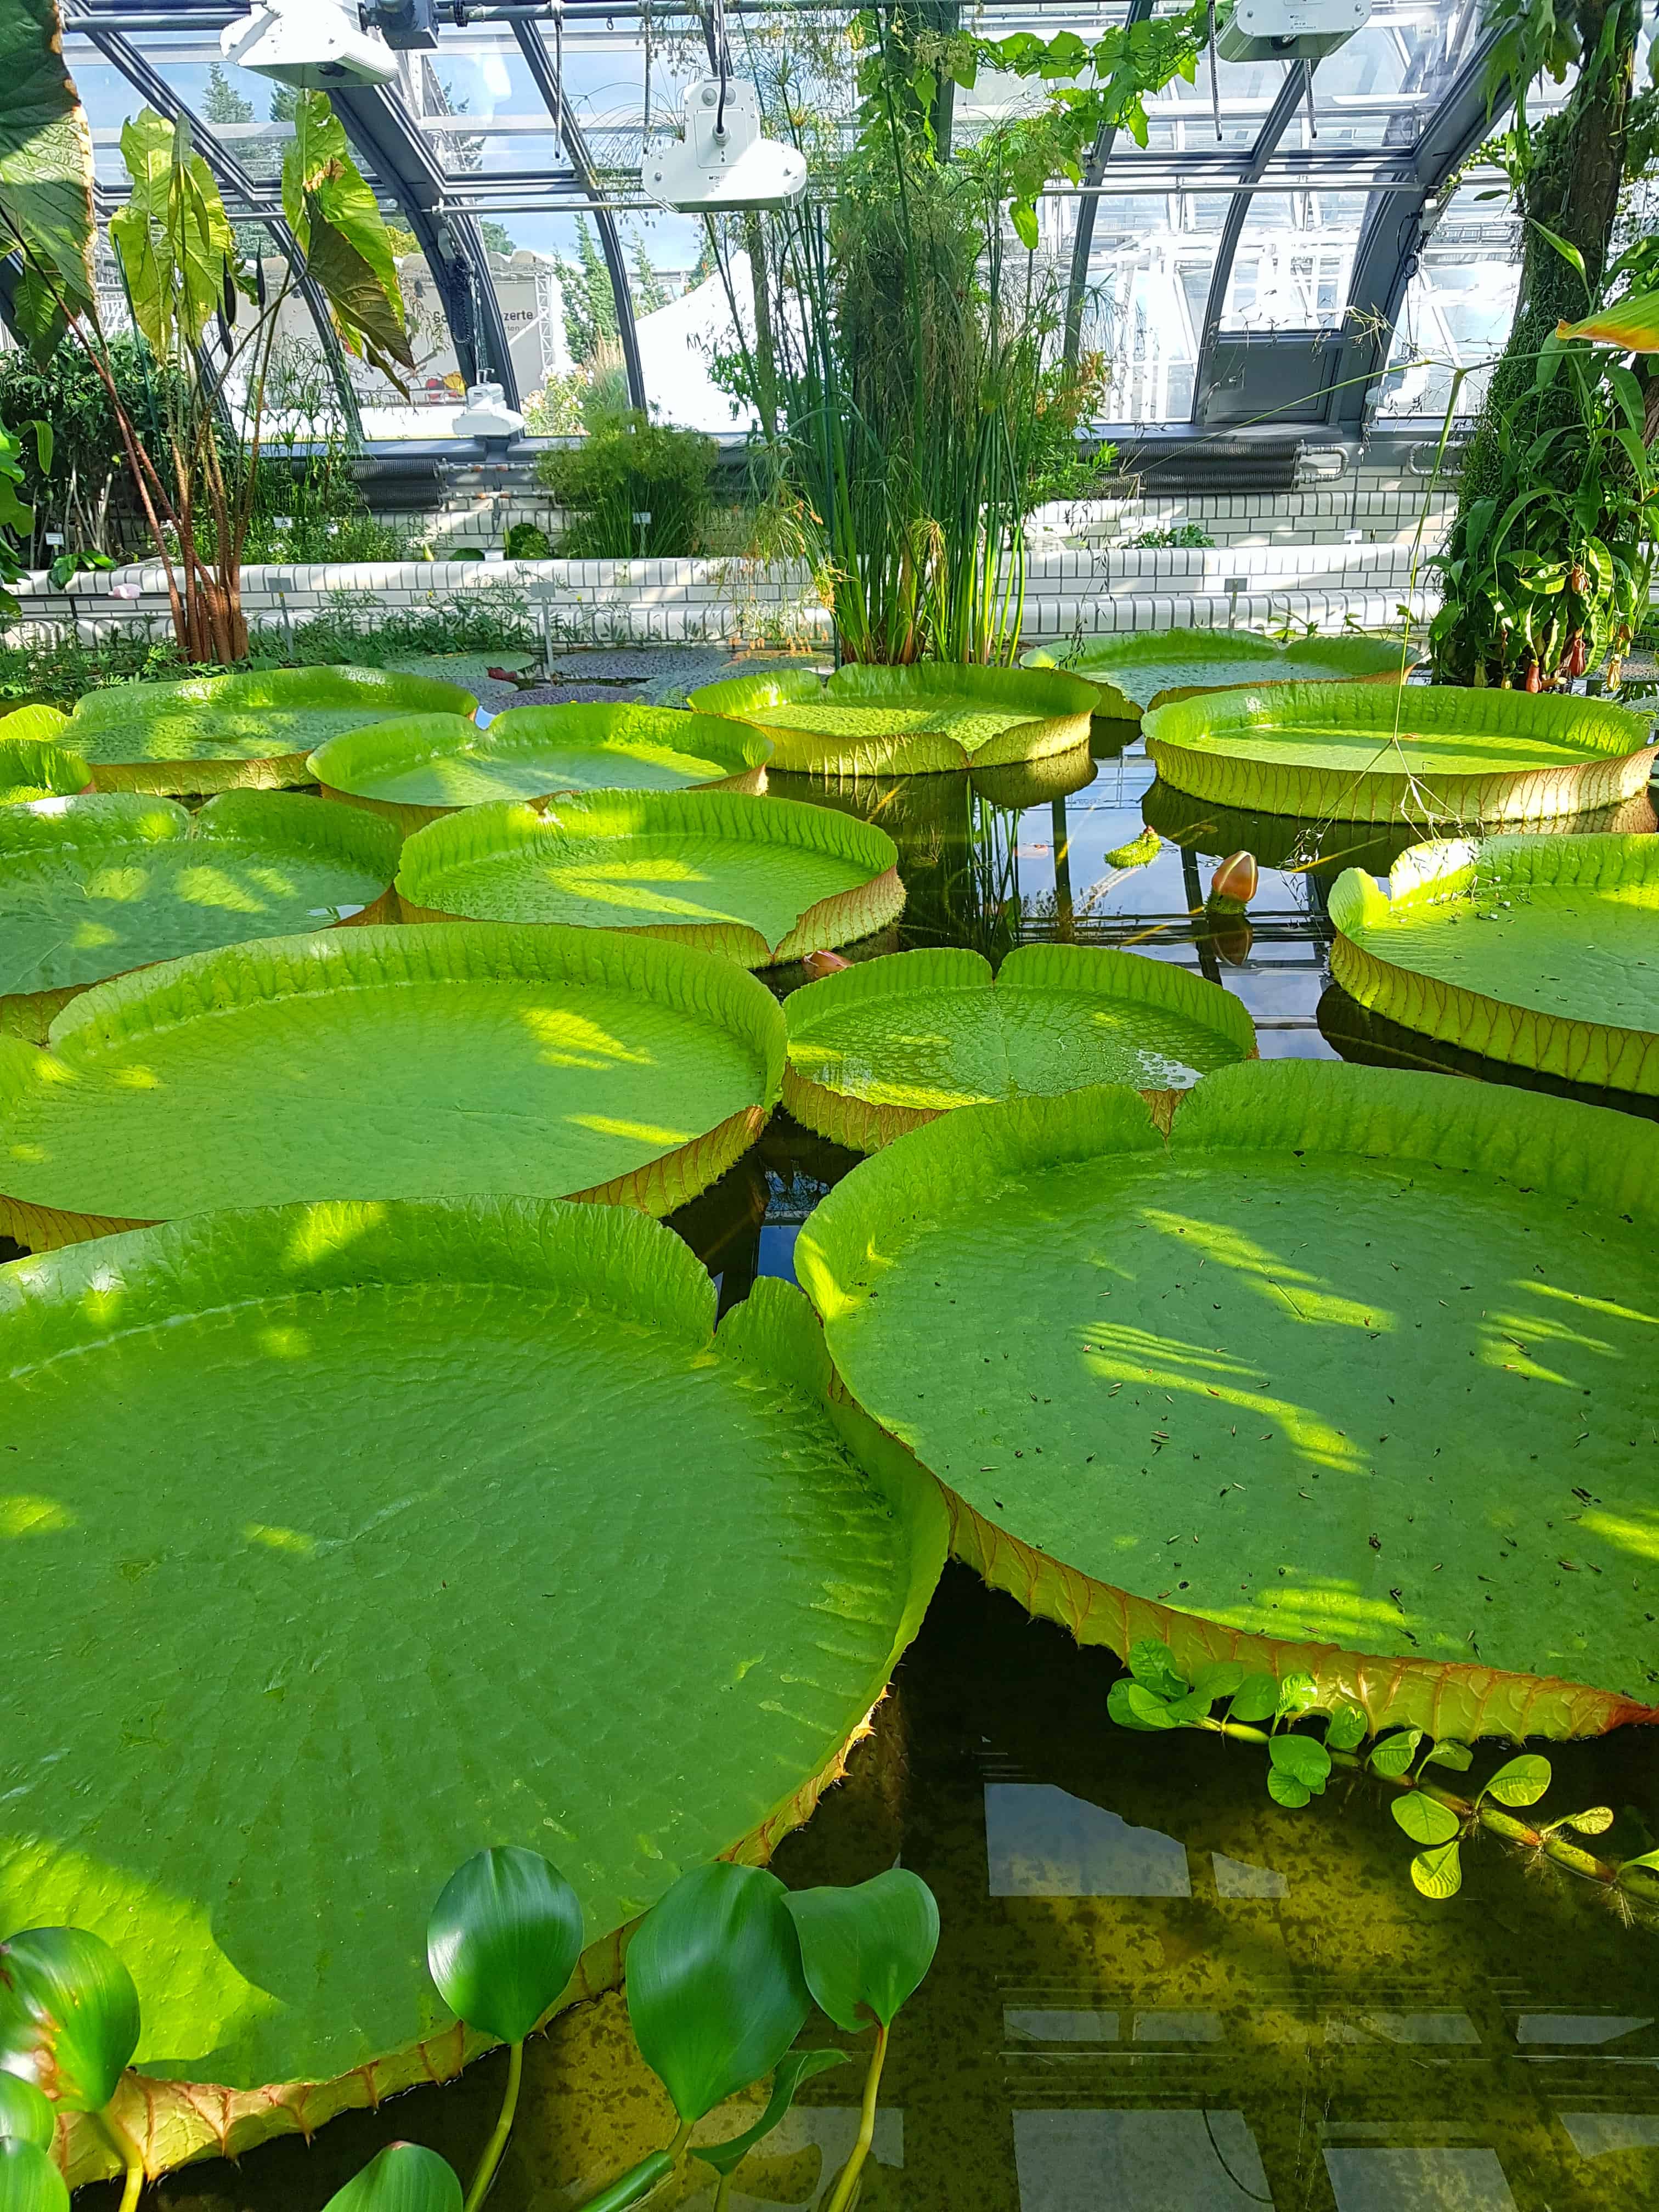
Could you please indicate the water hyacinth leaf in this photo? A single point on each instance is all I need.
(1151, 1665)
(402, 2178)
(25, 2112)
(1632, 326)
(503, 1940)
(1304, 1758)
(1297, 1693)
(1522, 1781)
(1255, 1700)
(1284, 1790)
(1450, 1752)
(1438, 1873)
(1424, 1818)
(29, 2182)
(1222, 1678)
(1393, 1756)
(1346, 1729)
(865, 1948)
(1187, 1711)
(715, 1990)
(1131, 1704)
(69, 2015)
(787, 2075)
(1594, 1820)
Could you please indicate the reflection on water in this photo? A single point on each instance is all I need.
(1156, 1991)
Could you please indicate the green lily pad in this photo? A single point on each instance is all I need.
(383, 1063)
(1352, 1376)
(881, 1048)
(1540, 951)
(426, 766)
(32, 769)
(257, 728)
(1381, 752)
(762, 880)
(925, 719)
(434, 1523)
(1142, 669)
(91, 887)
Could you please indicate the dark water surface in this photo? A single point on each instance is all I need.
(1156, 1991)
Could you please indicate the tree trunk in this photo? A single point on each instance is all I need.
(1571, 188)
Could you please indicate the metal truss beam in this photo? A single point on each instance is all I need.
(1290, 97)
(1083, 239)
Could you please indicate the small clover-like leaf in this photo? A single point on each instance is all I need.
(1438, 1873)
(1348, 1728)
(1152, 1664)
(1256, 1699)
(1301, 1757)
(1450, 1752)
(1522, 1781)
(1424, 1818)
(1394, 1755)
(1594, 1820)
(1284, 1790)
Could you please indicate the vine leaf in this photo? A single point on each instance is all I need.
(1348, 1728)
(1299, 1769)
(1296, 1693)
(1522, 1781)
(1154, 1666)
(1220, 1678)
(1132, 1705)
(1438, 1873)
(1424, 1818)
(1285, 1789)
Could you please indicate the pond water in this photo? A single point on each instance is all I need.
(1156, 1990)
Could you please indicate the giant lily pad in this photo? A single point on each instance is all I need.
(414, 770)
(385, 1063)
(34, 762)
(906, 722)
(761, 880)
(255, 729)
(1354, 1374)
(90, 887)
(1542, 951)
(1142, 669)
(883, 1047)
(1378, 752)
(436, 1525)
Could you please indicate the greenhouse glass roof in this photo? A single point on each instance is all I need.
(1318, 246)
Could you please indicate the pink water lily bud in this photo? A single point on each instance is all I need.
(1236, 879)
(820, 965)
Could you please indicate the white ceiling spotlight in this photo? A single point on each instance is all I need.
(724, 161)
(315, 44)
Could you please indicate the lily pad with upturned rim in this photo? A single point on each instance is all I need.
(933, 717)
(884, 1047)
(1323, 1384)
(762, 880)
(34, 768)
(1540, 951)
(415, 770)
(435, 1523)
(1374, 752)
(91, 887)
(255, 729)
(1144, 669)
(384, 1063)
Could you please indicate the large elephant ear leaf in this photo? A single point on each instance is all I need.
(335, 216)
(1632, 324)
(46, 169)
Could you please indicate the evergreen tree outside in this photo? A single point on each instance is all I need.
(221, 102)
(650, 293)
(590, 305)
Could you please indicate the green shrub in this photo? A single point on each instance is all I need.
(628, 466)
(528, 541)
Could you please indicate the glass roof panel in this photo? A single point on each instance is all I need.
(1457, 308)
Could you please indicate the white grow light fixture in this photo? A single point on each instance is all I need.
(723, 162)
(316, 44)
(1290, 30)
